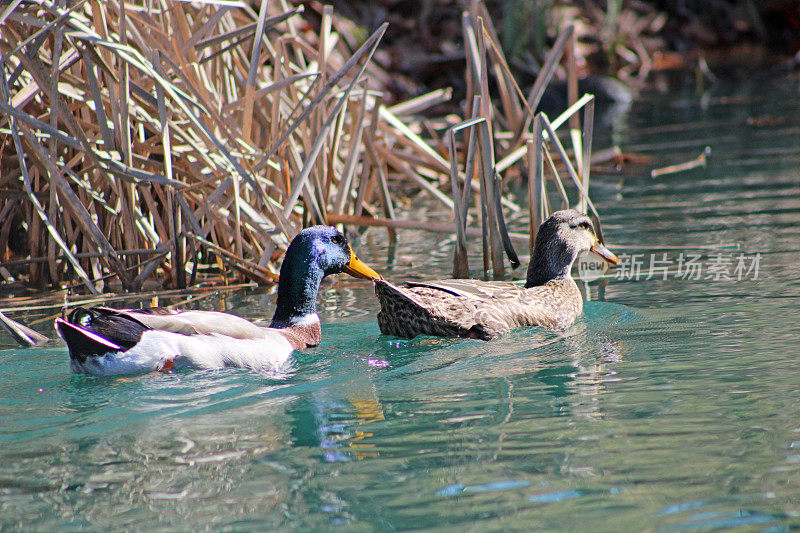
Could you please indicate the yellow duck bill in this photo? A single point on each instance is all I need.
(358, 269)
(605, 253)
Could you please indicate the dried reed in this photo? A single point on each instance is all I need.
(196, 133)
(163, 138)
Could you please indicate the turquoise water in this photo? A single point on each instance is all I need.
(671, 405)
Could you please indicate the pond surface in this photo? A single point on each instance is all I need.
(672, 404)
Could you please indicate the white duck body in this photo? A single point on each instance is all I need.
(235, 343)
(164, 350)
(105, 341)
(175, 340)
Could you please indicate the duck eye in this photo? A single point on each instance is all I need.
(587, 226)
(338, 238)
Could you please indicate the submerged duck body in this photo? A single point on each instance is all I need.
(487, 309)
(105, 341)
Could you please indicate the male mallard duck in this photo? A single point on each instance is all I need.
(104, 341)
(486, 309)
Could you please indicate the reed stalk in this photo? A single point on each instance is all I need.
(207, 135)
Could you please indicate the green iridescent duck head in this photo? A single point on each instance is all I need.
(314, 253)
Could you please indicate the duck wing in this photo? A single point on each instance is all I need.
(472, 288)
(474, 308)
(444, 308)
(194, 322)
(300, 336)
(506, 305)
(124, 327)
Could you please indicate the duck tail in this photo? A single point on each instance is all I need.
(81, 342)
(98, 331)
(401, 313)
(386, 291)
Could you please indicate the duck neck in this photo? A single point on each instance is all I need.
(550, 260)
(297, 294)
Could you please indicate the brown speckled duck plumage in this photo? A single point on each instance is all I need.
(487, 309)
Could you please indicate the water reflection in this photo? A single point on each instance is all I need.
(670, 405)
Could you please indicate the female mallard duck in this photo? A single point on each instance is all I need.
(487, 309)
(104, 341)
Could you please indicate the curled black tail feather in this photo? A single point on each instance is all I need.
(86, 329)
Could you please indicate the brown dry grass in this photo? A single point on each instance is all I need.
(158, 138)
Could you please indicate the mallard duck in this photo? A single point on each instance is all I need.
(105, 341)
(487, 309)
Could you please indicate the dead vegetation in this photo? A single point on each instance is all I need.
(183, 141)
(171, 135)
